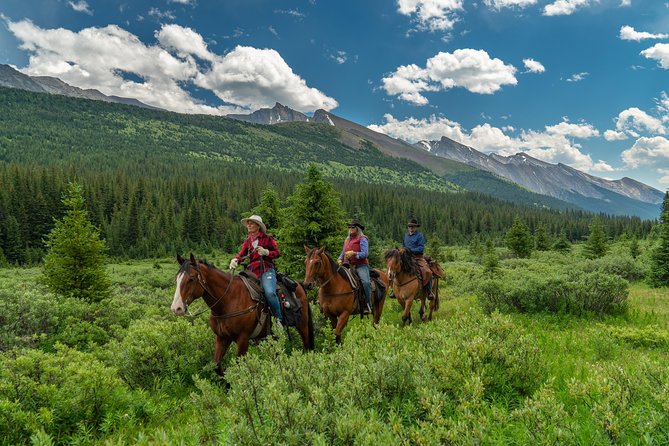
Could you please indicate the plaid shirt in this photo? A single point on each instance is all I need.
(259, 265)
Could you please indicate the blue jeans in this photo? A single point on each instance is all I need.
(363, 273)
(268, 280)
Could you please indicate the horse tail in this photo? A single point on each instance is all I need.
(436, 294)
(310, 326)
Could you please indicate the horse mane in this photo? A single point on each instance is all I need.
(407, 260)
(333, 264)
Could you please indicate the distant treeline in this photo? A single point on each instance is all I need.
(156, 182)
(155, 210)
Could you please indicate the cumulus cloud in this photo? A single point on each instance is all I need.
(647, 152)
(183, 2)
(564, 7)
(80, 6)
(634, 120)
(471, 69)
(629, 33)
(553, 144)
(532, 66)
(431, 15)
(659, 52)
(664, 179)
(499, 4)
(612, 135)
(602, 166)
(244, 79)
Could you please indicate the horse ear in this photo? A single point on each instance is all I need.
(320, 250)
(180, 259)
(306, 249)
(192, 259)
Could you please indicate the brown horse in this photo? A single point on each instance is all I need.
(335, 295)
(234, 315)
(405, 279)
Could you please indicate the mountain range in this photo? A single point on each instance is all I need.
(9, 77)
(519, 178)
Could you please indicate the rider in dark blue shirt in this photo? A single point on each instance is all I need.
(415, 242)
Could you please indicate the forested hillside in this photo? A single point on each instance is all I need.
(158, 182)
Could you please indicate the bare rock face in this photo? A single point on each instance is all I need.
(621, 197)
(275, 115)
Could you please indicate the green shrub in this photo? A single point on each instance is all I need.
(156, 349)
(435, 376)
(525, 292)
(60, 393)
(621, 265)
(649, 336)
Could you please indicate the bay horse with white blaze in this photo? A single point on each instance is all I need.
(235, 316)
(407, 285)
(336, 296)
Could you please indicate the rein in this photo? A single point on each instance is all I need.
(203, 284)
(328, 281)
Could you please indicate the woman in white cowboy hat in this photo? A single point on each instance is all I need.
(355, 252)
(261, 249)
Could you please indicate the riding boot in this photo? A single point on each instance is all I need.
(430, 294)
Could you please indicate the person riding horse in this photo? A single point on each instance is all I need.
(415, 242)
(355, 252)
(261, 250)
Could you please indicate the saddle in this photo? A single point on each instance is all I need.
(435, 267)
(291, 307)
(378, 287)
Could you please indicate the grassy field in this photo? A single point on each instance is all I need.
(126, 371)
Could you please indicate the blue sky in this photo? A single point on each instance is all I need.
(582, 82)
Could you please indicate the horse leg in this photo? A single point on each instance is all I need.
(378, 309)
(221, 345)
(406, 316)
(341, 323)
(422, 310)
(242, 344)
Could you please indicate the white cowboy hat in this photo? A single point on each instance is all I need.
(256, 219)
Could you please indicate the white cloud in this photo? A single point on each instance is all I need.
(625, 3)
(273, 31)
(565, 128)
(414, 130)
(467, 68)
(296, 13)
(245, 79)
(602, 166)
(664, 179)
(551, 145)
(647, 152)
(564, 7)
(431, 15)
(183, 2)
(340, 57)
(161, 15)
(633, 119)
(629, 33)
(499, 4)
(659, 52)
(577, 77)
(80, 6)
(612, 135)
(532, 66)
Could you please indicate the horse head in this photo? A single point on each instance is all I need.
(189, 285)
(314, 264)
(392, 258)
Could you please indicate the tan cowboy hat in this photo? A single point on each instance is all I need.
(257, 219)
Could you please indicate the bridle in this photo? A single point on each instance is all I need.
(203, 284)
(332, 276)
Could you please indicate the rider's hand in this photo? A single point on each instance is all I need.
(349, 254)
(339, 262)
(263, 251)
(234, 263)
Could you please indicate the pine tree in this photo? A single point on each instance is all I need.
(74, 264)
(597, 243)
(519, 239)
(314, 217)
(635, 250)
(541, 238)
(268, 208)
(434, 248)
(562, 243)
(659, 271)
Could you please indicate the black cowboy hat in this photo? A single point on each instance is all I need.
(413, 222)
(355, 222)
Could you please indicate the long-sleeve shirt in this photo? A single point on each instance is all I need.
(414, 242)
(362, 254)
(259, 265)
